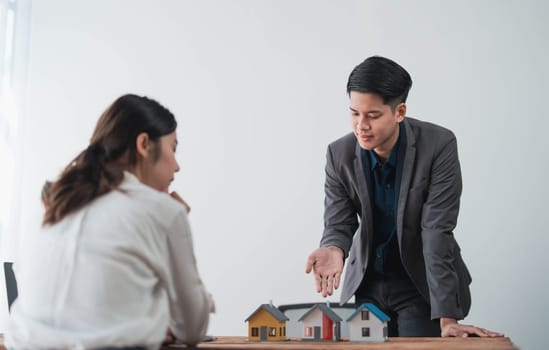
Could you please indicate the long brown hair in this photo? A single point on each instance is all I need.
(99, 168)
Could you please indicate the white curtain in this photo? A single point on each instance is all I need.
(8, 111)
(14, 42)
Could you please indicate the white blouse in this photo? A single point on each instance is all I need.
(116, 273)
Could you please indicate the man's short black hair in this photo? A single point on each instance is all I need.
(382, 76)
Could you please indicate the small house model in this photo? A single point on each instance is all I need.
(368, 324)
(267, 323)
(321, 323)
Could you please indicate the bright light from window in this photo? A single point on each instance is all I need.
(8, 112)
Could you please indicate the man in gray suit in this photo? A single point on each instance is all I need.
(393, 187)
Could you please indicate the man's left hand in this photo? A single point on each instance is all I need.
(449, 327)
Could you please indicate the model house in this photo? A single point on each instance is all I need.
(321, 323)
(267, 323)
(368, 323)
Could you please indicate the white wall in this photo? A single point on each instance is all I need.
(258, 88)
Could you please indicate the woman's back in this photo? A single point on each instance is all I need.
(107, 274)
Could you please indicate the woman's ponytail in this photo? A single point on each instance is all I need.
(100, 167)
(87, 177)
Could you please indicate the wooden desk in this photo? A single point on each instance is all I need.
(392, 344)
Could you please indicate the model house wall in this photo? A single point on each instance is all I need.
(266, 323)
(321, 323)
(368, 323)
(294, 328)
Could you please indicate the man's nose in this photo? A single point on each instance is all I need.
(363, 123)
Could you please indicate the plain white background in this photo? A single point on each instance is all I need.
(258, 88)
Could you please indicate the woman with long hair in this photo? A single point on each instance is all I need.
(113, 264)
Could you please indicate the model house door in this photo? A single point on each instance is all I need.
(263, 333)
(317, 333)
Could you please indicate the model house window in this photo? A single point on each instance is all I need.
(308, 331)
(272, 332)
(385, 332)
(365, 315)
(365, 331)
(282, 331)
(255, 332)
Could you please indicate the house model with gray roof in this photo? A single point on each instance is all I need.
(321, 323)
(267, 323)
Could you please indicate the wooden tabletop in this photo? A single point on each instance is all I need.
(393, 344)
(473, 343)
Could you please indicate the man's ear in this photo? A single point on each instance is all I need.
(143, 144)
(401, 111)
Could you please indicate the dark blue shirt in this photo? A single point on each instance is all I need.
(384, 183)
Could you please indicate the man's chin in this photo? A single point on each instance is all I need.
(366, 146)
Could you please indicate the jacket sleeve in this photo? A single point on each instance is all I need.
(439, 218)
(190, 303)
(340, 216)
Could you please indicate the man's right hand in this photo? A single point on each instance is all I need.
(327, 263)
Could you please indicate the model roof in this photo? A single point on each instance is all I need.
(325, 310)
(373, 309)
(270, 308)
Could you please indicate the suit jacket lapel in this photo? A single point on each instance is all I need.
(363, 184)
(409, 159)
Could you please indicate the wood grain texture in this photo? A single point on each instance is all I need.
(392, 344)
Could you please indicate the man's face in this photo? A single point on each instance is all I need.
(375, 125)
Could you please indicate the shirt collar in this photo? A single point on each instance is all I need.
(392, 161)
(130, 177)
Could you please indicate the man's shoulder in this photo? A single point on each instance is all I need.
(347, 141)
(430, 129)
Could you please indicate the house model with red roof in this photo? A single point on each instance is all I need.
(321, 323)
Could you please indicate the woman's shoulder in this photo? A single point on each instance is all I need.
(148, 198)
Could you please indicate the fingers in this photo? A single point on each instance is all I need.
(496, 334)
(491, 334)
(337, 278)
(481, 332)
(324, 286)
(169, 338)
(329, 284)
(310, 266)
(461, 330)
(178, 198)
(310, 263)
(318, 283)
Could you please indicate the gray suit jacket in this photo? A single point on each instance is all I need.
(428, 206)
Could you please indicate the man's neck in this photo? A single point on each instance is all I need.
(383, 152)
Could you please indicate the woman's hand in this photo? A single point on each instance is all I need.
(169, 338)
(178, 198)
